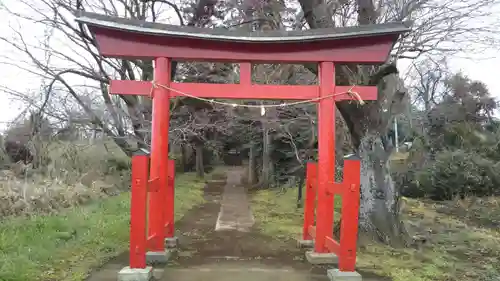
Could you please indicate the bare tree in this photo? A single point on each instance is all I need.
(427, 82)
(76, 59)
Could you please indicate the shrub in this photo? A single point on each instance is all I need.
(452, 174)
(77, 173)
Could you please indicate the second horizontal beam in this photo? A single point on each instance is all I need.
(239, 91)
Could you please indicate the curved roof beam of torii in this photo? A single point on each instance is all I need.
(128, 38)
(222, 34)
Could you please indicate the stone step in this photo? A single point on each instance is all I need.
(228, 272)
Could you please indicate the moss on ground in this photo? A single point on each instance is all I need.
(462, 244)
(66, 246)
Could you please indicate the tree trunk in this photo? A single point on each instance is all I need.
(252, 175)
(379, 212)
(266, 157)
(183, 158)
(300, 186)
(94, 134)
(200, 169)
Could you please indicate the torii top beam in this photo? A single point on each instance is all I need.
(127, 38)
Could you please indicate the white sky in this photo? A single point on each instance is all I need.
(12, 77)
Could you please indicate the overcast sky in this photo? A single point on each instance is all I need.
(12, 77)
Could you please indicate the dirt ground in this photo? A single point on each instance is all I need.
(245, 255)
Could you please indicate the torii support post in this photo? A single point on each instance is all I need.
(124, 38)
(344, 252)
(326, 155)
(350, 206)
(309, 229)
(138, 235)
(159, 215)
(170, 238)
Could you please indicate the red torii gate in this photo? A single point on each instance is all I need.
(133, 39)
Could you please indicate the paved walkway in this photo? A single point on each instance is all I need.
(235, 213)
(248, 271)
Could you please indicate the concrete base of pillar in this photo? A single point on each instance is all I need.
(321, 258)
(158, 257)
(171, 243)
(337, 275)
(135, 274)
(304, 244)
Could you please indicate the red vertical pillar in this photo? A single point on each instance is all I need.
(326, 155)
(159, 154)
(170, 217)
(138, 201)
(311, 174)
(350, 206)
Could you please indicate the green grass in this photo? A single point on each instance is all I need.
(457, 250)
(66, 246)
(461, 246)
(277, 213)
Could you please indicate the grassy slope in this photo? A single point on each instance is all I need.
(464, 241)
(43, 247)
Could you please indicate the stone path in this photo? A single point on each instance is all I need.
(248, 271)
(235, 213)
